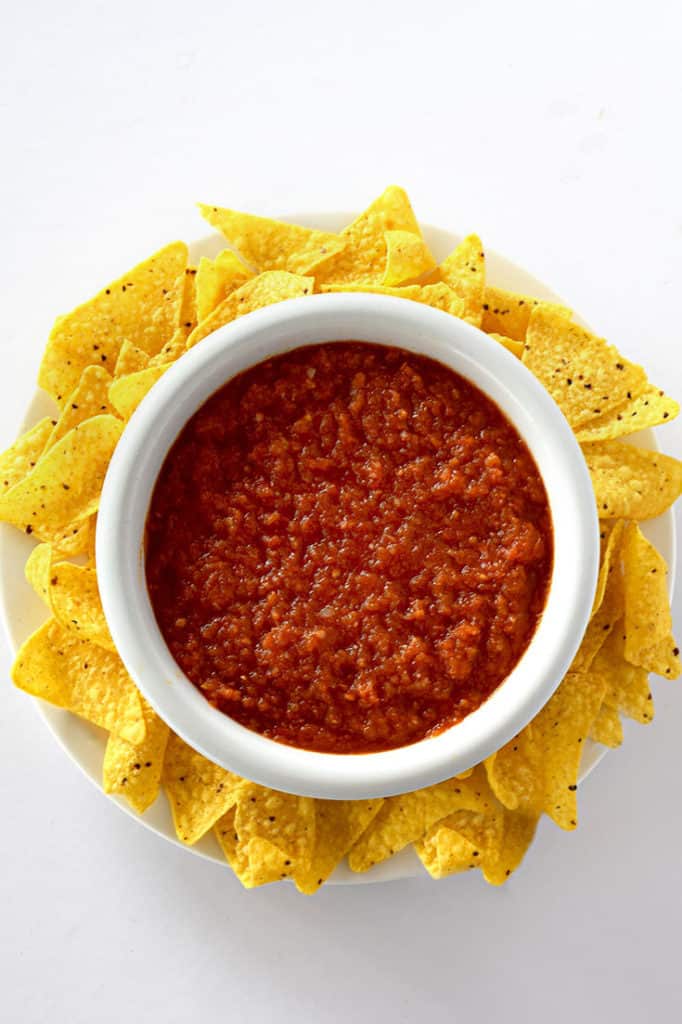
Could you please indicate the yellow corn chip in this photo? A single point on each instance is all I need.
(632, 483)
(199, 792)
(646, 410)
(338, 825)
(364, 256)
(18, 461)
(604, 619)
(440, 296)
(188, 309)
(90, 398)
(131, 359)
(607, 728)
(133, 770)
(407, 818)
(560, 730)
(444, 851)
(538, 769)
(275, 835)
(187, 321)
(271, 244)
(64, 486)
(514, 775)
(494, 842)
(649, 640)
(611, 537)
(142, 307)
(407, 257)
(515, 347)
(507, 313)
(126, 393)
(37, 570)
(58, 667)
(216, 279)
(583, 373)
(626, 686)
(517, 835)
(464, 272)
(74, 539)
(71, 593)
(264, 290)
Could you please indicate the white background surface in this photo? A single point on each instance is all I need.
(553, 130)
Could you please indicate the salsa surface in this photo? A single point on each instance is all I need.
(348, 548)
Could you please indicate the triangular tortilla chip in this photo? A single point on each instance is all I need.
(58, 667)
(266, 289)
(133, 770)
(632, 483)
(407, 257)
(271, 244)
(142, 307)
(585, 375)
(464, 272)
(364, 256)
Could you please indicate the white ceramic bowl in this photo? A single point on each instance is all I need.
(142, 451)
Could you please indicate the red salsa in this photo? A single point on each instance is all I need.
(348, 548)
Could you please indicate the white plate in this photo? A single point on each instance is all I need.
(22, 611)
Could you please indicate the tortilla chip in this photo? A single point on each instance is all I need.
(538, 769)
(364, 256)
(444, 851)
(20, 458)
(407, 818)
(65, 484)
(626, 686)
(271, 244)
(515, 347)
(199, 792)
(607, 727)
(407, 257)
(495, 843)
(218, 278)
(559, 732)
(585, 375)
(133, 770)
(440, 296)
(611, 534)
(464, 272)
(275, 835)
(264, 290)
(649, 640)
(338, 825)
(58, 667)
(514, 774)
(494, 840)
(649, 409)
(90, 398)
(187, 320)
(71, 540)
(71, 593)
(131, 359)
(604, 619)
(632, 483)
(517, 835)
(508, 313)
(126, 393)
(142, 307)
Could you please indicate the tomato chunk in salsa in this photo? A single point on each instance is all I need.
(348, 548)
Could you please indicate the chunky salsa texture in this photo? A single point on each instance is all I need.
(348, 548)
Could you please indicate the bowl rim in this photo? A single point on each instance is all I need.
(185, 387)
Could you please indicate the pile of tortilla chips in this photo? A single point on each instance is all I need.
(102, 359)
